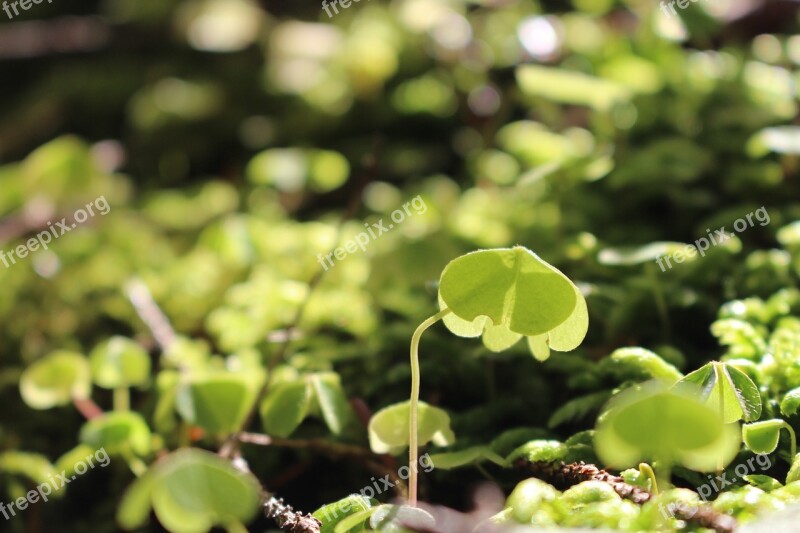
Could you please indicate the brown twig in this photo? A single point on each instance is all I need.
(333, 450)
(564, 475)
(288, 519)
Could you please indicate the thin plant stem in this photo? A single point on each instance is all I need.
(413, 439)
(793, 440)
(647, 470)
(122, 399)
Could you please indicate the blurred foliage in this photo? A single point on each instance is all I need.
(238, 142)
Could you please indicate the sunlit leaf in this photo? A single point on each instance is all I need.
(388, 428)
(190, 491)
(728, 390)
(55, 380)
(654, 423)
(120, 433)
(120, 362)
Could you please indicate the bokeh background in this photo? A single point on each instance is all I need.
(236, 140)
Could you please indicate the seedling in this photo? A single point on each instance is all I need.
(762, 437)
(503, 294)
(668, 426)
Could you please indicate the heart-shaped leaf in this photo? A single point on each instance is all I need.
(651, 423)
(728, 390)
(218, 403)
(55, 380)
(762, 437)
(120, 362)
(285, 407)
(388, 428)
(119, 433)
(191, 490)
(509, 293)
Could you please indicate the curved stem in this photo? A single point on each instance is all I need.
(793, 439)
(414, 403)
(647, 470)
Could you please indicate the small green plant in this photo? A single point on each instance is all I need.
(503, 294)
(762, 437)
(666, 425)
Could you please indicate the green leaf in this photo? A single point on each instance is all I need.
(119, 433)
(646, 364)
(73, 457)
(499, 338)
(333, 403)
(468, 456)
(120, 362)
(191, 490)
(728, 390)
(791, 402)
(55, 380)
(285, 407)
(509, 293)
(331, 514)
(217, 402)
(669, 425)
(355, 523)
(570, 87)
(547, 451)
(765, 483)
(33, 466)
(512, 287)
(762, 437)
(388, 428)
(528, 497)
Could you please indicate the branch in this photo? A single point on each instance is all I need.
(152, 315)
(333, 450)
(564, 475)
(288, 519)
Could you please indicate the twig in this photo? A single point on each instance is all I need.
(333, 450)
(288, 519)
(564, 475)
(152, 315)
